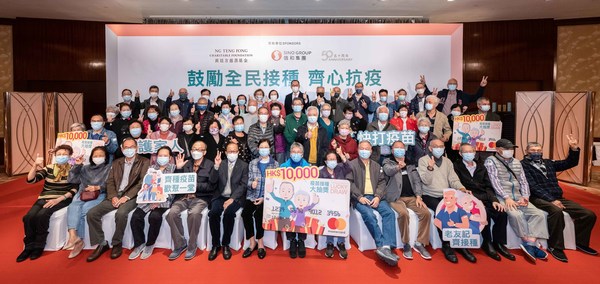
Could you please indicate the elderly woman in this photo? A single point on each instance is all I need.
(92, 190)
(439, 122)
(77, 126)
(343, 140)
(422, 141)
(56, 194)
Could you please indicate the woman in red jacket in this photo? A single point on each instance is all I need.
(401, 119)
(343, 140)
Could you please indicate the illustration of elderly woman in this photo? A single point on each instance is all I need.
(303, 205)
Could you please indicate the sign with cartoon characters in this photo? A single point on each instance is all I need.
(296, 200)
(82, 146)
(474, 130)
(157, 186)
(461, 217)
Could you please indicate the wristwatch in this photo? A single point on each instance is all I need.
(430, 168)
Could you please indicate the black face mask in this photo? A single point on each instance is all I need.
(335, 95)
(321, 94)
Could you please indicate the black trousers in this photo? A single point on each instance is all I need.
(432, 203)
(37, 222)
(214, 220)
(498, 233)
(584, 220)
(138, 223)
(252, 216)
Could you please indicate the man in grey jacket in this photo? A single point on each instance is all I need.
(404, 191)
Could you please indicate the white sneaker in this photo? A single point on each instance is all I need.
(135, 253)
(147, 252)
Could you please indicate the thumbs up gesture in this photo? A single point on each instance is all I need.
(39, 160)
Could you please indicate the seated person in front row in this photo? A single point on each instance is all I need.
(404, 191)
(56, 194)
(124, 181)
(229, 198)
(437, 173)
(509, 182)
(367, 186)
(474, 177)
(547, 195)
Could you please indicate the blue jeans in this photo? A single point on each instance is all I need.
(340, 240)
(77, 210)
(385, 236)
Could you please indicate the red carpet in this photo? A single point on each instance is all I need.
(16, 197)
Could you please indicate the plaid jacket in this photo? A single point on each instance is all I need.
(254, 173)
(546, 186)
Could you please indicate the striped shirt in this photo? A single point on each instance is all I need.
(52, 188)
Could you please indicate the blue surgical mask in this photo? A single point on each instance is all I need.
(152, 115)
(535, 156)
(399, 152)
(437, 152)
(364, 154)
(129, 152)
(359, 91)
(239, 127)
(312, 119)
(468, 157)
(263, 152)
(423, 129)
(401, 98)
(296, 157)
(242, 102)
(96, 125)
(161, 161)
(127, 98)
(331, 164)
(62, 159)
(225, 111)
(383, 99)
(126, 113)
(452, 87)
(297, 108)
(382, 116)
(174, 112)
(428, 106)
(135, 132)
(202, 107)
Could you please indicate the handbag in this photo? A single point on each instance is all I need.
(89, 195)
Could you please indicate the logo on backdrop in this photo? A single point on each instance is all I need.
(330, 55)
(276, 55)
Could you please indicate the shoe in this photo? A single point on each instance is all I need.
(503, 250)
(449, 253)
(301, 249)
(343, 251)
(213, 253)
(148, 250)
(329, 250)
(420, 249)
(177, 252)
(248, 251)
(190, 254)
(35, 254)
(226, 253)
(467, 255)
(77, 248)
(385, 254)
(70, 246)
(100, 249)
(24, 255)
(559, 254)
(393, 252)
(116, 252)
(540, 254)
(407, 251)
(135, 253)
(587, 250)
(529, 252)
(488, 248)
(262, 253)
(293, 248)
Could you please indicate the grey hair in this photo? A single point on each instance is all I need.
(532, 144)
(424, 119)
(312, 108)
(77, 124)
(435, 99)
(481, 99)
(113, 109)
(382, 107)
(344, 122)
(297, 145)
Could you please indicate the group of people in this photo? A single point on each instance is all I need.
(229, 145)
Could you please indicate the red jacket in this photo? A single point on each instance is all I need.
(411, 124)
(348, 146)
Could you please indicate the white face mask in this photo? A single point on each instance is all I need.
(263, 118)
(154, 94)
(187, 127)
(326, 113)
(295, 89)
(507, 154)
(274, 98)
(197, 155)
(252, 109)
(456, 113)
(348, 116)
(403, 113)
(275, 112)
(164, 127)
(420, 91)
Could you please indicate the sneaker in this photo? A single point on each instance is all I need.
(190, 254)
(136, 252)
(421, 250)
(329, 250)
(342, 249)
(386, 255)
(407, 251)
(587, 250)
(177, 252)
(529, 251)
(540, 254)
(147, 252)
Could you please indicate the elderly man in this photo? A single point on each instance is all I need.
(251, 115)
(320, 100)
(437, 173)
(367, 186)
(313, 138)
(361, 101)
(417, 104)
(293, 121)
(508, 179)
(98, 132)
(547, 195)
(422, 141)
(202, 115)
(289, 98)
(439, 122)
(339, 104)
(383, 101)
(452, 95)
(185, 105)
(475, 178)
(404, 192)
(381, 124)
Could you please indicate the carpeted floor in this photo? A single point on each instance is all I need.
(53, 267)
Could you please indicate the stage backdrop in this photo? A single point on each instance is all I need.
(238, 59)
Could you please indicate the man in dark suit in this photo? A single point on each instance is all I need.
(124, 181)
(474, 177)
(233, 179)
(289, 98)
(313, 138)
(452, 95)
